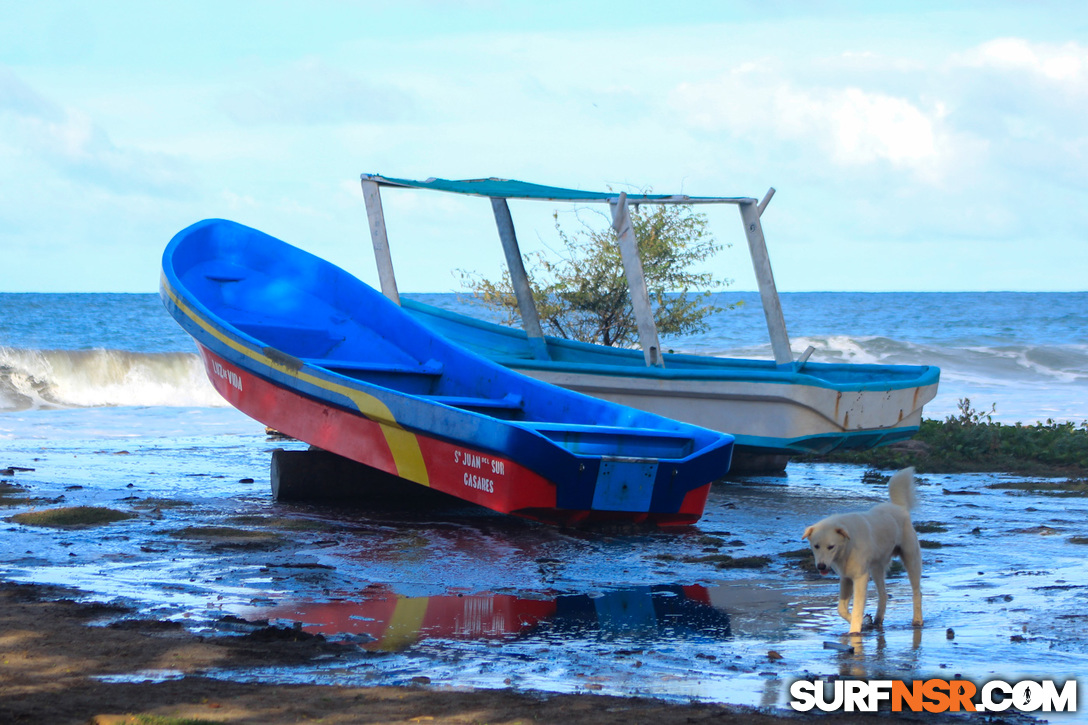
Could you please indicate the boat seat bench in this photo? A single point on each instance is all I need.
(431, 367)
(612, 430)
(510, 402)
(619, 443)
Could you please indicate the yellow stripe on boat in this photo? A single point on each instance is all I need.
(403, 444)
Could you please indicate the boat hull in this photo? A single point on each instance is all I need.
(472, 474)
(768, 417)
(770, 410)
(375, 387)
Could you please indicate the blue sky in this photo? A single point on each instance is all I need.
(913, 145)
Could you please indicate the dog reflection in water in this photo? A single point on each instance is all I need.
(860, 546)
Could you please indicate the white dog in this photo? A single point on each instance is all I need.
(860, 546)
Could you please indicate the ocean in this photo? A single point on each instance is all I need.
(104, 403)
(1023, 356)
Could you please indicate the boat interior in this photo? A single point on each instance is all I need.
(308, 315)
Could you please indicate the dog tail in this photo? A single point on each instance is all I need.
(901, 488)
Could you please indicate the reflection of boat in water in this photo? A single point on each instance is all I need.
(300, 345)
(386, 621)
(773, 408)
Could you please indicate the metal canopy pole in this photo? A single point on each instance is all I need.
(750, 212)
(380, 240)
(636, 282)
(530, 318)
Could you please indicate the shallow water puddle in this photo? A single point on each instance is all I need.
(384, 621)
(722, 611)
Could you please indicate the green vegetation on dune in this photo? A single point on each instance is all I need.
(971, 441)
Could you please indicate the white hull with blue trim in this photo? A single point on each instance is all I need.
(809, 408)
(774, 408)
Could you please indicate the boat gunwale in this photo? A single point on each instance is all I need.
(733, 369)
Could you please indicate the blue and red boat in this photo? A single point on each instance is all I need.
(304, 347)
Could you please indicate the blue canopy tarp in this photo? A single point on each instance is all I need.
(512, 189)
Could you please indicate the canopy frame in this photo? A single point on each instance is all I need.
(501, 190)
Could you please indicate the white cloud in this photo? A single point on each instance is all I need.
(1065, 63)
(849, 125)
(872, 126)
(72, 144)
(1027, 99)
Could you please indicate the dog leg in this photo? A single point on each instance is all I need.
(846, 587)
(882, 597)
(912, 561)
(857, 614)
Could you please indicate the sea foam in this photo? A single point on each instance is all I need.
(42, 379)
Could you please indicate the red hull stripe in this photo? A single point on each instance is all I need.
(468, 473)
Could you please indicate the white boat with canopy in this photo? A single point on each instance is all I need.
(774, 408)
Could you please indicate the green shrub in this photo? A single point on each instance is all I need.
(971, 441)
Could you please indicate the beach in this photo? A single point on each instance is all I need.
(57, 669)
(413, 613)
(455, 601)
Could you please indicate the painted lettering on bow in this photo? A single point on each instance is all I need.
(221, 371)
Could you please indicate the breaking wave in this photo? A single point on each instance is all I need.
(42, 379)
(1053, 364)
(1027, 382)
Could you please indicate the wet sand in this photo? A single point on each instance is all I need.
(60, 668)
(450, 614)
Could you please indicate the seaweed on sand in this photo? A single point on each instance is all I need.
(72, 516)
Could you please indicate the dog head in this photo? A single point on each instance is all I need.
(829, 543)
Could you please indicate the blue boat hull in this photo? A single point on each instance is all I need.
(306, 348)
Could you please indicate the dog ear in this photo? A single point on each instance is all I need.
(808, 532)
(842, 532)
